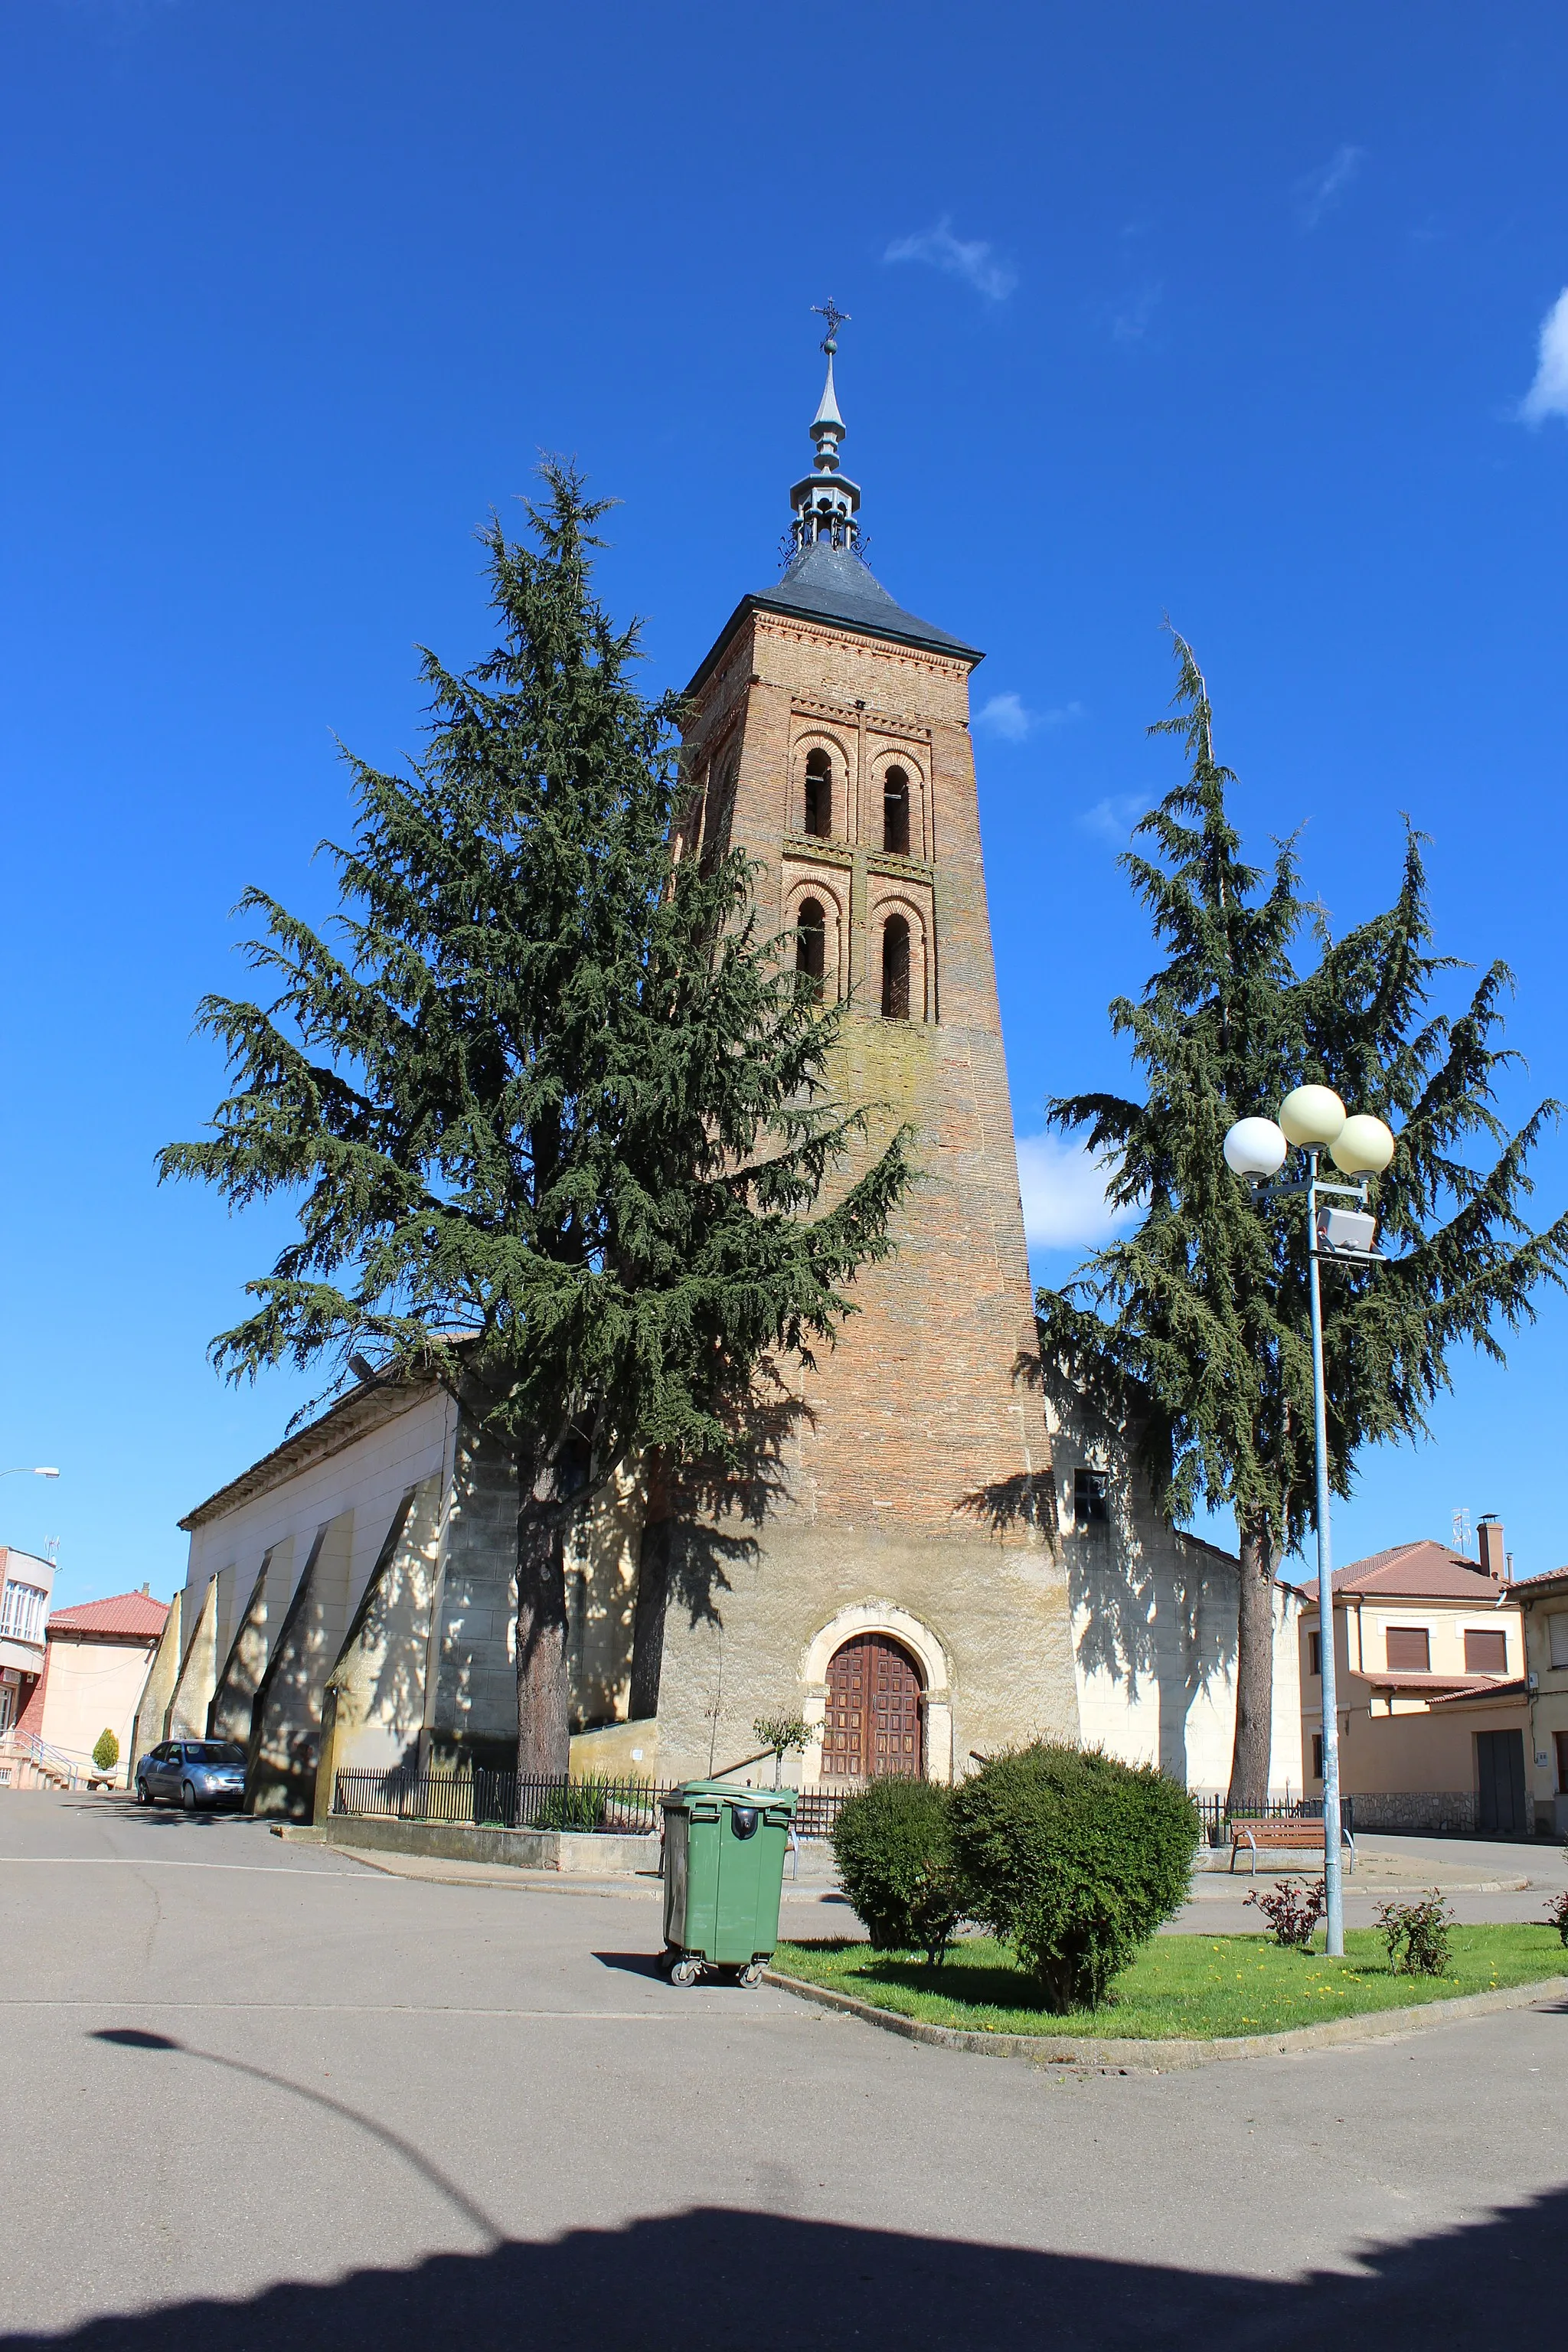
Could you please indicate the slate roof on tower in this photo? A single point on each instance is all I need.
(828, 579)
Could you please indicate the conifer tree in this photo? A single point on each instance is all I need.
(1200, 1313)
(554, 1111)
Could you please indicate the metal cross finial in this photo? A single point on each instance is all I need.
(835, 319)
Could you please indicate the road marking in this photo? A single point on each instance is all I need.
(391, 2009)
(165, 1862)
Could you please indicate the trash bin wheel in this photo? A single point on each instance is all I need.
(753, 1973)
(685, 1971)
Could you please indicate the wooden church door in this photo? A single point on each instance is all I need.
(872, 1727)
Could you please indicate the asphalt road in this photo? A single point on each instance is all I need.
(260, 2095)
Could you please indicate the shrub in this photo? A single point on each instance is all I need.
(1293, 1913)
(106, 1755)
(1074, 1859)
(1557, 1915)
(894, 1850)
(580, 1805)
(1417, 1934)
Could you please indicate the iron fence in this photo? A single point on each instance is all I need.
(1216, 1815)
(501, 1801)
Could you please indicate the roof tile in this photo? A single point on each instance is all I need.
(135, 1615)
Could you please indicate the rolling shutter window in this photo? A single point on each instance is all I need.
(1486, 1652)
(1409, 1650)
(1557, 1628)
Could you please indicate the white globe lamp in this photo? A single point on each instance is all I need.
(1312, 1117)
(1255, 1147)
(1363, 1145)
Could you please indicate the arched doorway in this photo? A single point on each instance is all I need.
(873, 1723)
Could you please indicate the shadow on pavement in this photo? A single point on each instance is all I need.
(722, 2281)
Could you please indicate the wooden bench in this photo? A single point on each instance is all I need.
(1294, 1834)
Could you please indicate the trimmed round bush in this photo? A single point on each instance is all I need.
(1074, 1859)
(106, 1755)
(894, 1850)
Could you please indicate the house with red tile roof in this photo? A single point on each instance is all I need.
(1429, 1674)
(97, 1655)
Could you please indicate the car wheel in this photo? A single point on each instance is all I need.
(144, 1793)
(188, 1797)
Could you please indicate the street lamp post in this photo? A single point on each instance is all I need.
(22, 1471)
(1313, 1119)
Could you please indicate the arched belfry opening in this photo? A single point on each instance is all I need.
(874, 1725)
(811, 940)
(819, 793)
(895, 812)
(895, 969)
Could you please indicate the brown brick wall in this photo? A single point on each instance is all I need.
(911, 1479)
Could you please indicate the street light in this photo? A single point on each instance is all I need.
(22, 1471)
(1313, 1119)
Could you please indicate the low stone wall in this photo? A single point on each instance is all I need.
(599, 1854)
(1432, 1812)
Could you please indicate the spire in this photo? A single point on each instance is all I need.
(826, 502)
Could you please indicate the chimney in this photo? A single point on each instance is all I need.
(1494, 1559)
(147, 1589)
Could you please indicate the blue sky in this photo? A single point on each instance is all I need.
(1227, 313)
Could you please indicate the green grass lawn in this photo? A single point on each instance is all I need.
(1180, 1987)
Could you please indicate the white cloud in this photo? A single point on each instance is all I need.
(971, 258)
(1129, 320)
(1318, 191)
(1113, 819)
(1007, 715)
(1063, 1192)
(1548, 395)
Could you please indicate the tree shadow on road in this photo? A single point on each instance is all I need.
(716, 2280)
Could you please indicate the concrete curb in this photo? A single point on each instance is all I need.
(1131, 2057)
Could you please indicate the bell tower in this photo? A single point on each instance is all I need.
(912, 1531)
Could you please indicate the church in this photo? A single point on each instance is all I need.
(950, 1551)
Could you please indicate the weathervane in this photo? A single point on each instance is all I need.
(835, 319)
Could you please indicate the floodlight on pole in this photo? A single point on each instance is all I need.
(1314, 1119)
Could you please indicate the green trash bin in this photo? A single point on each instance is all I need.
(723, 1869)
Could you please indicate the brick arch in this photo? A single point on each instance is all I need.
(820, 739)
(828, 892)
(893, 756)
(901, 903)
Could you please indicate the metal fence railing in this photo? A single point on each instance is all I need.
(1216, 1815)
(501, 1800)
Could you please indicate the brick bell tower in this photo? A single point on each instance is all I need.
(902, 1591)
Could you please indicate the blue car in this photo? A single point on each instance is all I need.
(192, 1772)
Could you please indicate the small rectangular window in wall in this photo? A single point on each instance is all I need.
(1562, 1739)
(1314, 1654)
(1317, 1755)
(1486, 1652)
(1409, 1650)
(1091, 1498)
(1557, 1638)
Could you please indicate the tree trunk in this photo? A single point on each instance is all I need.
(544, 1684)
(648, 1625)
(1254, 1668)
